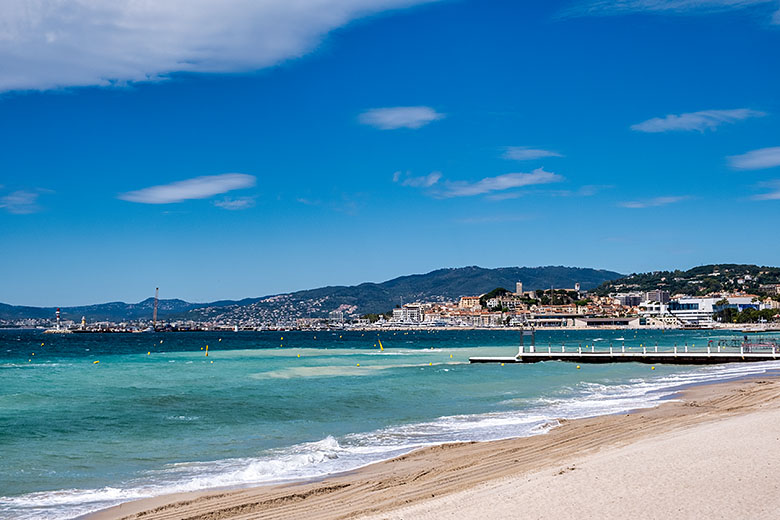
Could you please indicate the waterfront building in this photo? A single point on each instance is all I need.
(468, 302)
(614, 321)
(686, 311)
(409, 313)
(690, 311)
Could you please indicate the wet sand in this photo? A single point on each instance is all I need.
(713, 454)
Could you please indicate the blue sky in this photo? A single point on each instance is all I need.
(272, 146)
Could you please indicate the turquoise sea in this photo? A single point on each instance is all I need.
(156, 415)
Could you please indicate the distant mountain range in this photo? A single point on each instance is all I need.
(439, 285)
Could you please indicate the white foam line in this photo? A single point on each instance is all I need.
(327, 456)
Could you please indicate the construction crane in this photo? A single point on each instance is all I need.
(154, 314)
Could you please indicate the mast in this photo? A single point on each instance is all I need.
(154, 314)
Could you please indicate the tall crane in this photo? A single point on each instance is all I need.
(154, 314)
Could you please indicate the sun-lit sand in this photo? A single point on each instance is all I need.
(713, 454)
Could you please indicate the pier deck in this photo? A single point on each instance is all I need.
(655, 358)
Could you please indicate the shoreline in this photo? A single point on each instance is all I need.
(438, 473)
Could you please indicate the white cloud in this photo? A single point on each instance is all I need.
(426, 181)
(46, 44)
(197, 188)
(700, 121)
(611, 7)
(235, 204)
(20, 202)
(524, 153)
(654, 202)
(507, 195)
(756, 159)
(774, 194)
(498, 183)
(391, 118)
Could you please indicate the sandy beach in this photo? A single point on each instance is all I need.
(714, 453)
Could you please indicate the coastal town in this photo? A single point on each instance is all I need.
(554, 308)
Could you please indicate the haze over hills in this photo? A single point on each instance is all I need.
(440, 285)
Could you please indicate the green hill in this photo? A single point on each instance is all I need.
(697, 281)
(440, 285)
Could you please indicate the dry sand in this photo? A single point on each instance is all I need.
(715, 454)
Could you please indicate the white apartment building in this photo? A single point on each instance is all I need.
(690, 311)
(682, 311)
(409, 313)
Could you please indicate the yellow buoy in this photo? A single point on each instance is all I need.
(201, 348)
(430, 364)
(502, 364)
(212, 362)
(29, 360)
(95, 362)
(148, 353)
(33, 353)
(41, 344)
(161, 341)
(282, 338)
(358, 364)
(299, 355)
(220, 339)
(339, 337)
(450, 356)
(578, 367)
(652, 368)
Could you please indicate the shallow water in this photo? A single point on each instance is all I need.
(76, 436)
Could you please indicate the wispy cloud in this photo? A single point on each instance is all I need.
(426, 181)
(773, 194)
(696, 121)
(50, 44)
(524, 153)
(392, 118)
(507, 195)
(197, 188)
(498, 183)
(756, 159)
(616, 7)
(20, 202)
(654, 202)
(235, 204)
